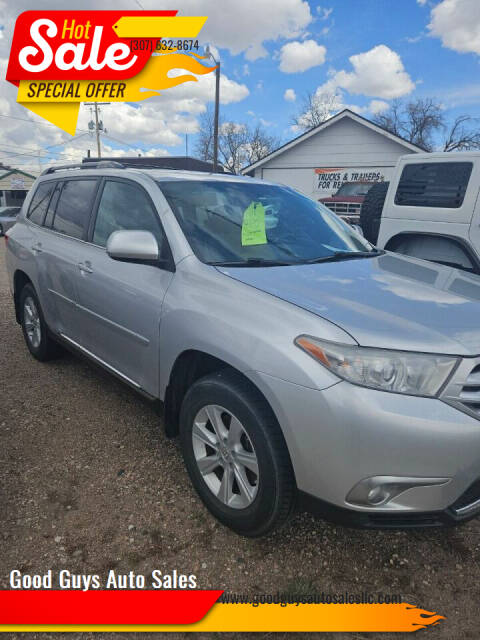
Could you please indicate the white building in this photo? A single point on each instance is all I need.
(14, 186)
(345, 148)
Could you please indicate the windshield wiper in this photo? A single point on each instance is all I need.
(346, 255)
(252, 262)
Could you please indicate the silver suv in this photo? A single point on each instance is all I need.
(296, 362)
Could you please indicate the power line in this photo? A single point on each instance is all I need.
(45, 149)
(42, 124)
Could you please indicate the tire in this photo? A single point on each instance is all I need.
(34, 327)
(269, 497)
(1, 231)
(371, 211)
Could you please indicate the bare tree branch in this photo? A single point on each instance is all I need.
(238, 143)
(316, 108)
(464, 135)
(417, 121)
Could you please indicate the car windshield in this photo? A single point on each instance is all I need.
(354, 189)
(248, 223)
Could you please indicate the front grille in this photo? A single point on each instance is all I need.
(470, 393)
(463, 391)
(344, 207)
(348, 211)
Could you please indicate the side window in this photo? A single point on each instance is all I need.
(125, 205)
(74, 206)
(52, 205)
(39, 203)
(433, 184)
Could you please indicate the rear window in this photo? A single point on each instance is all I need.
(434, 184)
(74, 206)
(39, 203)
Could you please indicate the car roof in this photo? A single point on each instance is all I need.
(159, 175)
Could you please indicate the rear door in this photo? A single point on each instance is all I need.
(121, 302)
(61, 240)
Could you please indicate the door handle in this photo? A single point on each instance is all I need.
(85, 267)
(37, 248)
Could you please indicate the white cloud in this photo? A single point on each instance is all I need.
(244, 27)
(457, 24)
(378, 72)
(290, 95)
(422, 2)
(377, 106)
(246, 70)
(300, 56)
(324, 13)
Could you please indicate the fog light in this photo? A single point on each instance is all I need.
(380, 490)
(377, 495)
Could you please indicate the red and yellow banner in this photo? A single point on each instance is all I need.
(61, 58)
(196, 611)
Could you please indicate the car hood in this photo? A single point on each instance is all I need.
(389, 301)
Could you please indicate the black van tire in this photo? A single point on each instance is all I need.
(371, 211)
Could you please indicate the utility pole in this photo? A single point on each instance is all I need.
(217, 108)
(98, 125)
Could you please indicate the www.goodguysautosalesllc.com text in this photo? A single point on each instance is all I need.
(65, 579)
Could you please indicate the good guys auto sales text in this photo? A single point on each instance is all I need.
(68, 580)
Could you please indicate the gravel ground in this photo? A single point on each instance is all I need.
(88, 482)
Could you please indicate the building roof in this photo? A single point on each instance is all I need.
(8, 171)
(186, 163)
(346, 113)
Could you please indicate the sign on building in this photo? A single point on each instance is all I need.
(327, 180)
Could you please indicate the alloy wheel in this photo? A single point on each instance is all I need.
(225, 456)
(31, 319)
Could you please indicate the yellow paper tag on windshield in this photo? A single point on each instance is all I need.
(253, 225)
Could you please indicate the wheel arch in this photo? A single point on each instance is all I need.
(20, 279)
(459, 244)
(190, 366)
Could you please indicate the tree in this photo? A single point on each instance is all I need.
(316, 108)
(462, 136)
(423, 123)
(418, 121)
(238, 144)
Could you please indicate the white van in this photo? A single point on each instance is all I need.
(430, 209)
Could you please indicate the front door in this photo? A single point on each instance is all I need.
(120, 302)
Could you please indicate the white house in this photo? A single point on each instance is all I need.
(345, 148)
(14, 186)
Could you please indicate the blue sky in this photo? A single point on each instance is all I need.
(366, 52)
(356, 26)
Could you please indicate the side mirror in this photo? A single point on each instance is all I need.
(133, 246)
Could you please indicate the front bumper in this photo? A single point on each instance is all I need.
(343, 434)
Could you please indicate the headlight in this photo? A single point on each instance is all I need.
(416, 374)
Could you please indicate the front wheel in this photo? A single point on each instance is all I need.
(235, 454)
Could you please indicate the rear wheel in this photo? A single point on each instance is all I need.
(235, 454)
(34, 327)
(1, 231)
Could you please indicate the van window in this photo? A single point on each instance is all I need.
(74, 206)
(40, 201)
(433, 184)
(124, 205)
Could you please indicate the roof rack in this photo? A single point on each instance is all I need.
(101, 164)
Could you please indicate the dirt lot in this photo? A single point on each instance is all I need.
(88, 482)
